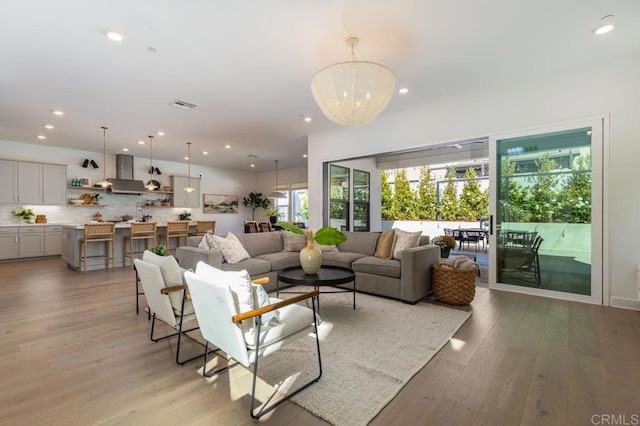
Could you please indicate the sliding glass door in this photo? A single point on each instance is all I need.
(546, 210)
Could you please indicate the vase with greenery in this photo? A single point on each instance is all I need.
(446, 244)
(25, 214)
(160, 250)
(311, 255)
(255, 200)
(273, 215)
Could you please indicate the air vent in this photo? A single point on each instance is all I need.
(183, 104)
(252, 156)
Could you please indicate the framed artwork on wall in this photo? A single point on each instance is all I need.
(218, 203)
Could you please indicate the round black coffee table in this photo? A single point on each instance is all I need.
(326, 276)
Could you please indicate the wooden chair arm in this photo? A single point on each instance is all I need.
(171, 289)
(263, 280)
(260, 311)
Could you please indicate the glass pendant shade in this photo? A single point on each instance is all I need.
(189, 188)
(151, 186)
(104, 182)
(355, 92)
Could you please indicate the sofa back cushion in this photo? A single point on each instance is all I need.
(360, 242)
(258, 243)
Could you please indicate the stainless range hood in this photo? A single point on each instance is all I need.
(124, 183)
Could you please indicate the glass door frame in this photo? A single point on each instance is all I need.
(599, 216)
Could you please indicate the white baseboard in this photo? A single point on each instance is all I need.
(625, 303)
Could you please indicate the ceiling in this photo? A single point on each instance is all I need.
(248, 64)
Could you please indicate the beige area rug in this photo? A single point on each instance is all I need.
(368, 354)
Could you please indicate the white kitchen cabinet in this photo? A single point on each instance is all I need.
(8, 182)
(8, 242)
(54, 184)
(31, 241)
(29, 183)
(182, 198)
(52, 240)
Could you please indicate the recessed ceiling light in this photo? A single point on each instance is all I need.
(403, 90)
(41, 137)
(114, 36)
(186, 158)
(205, 153)
(252, 165)
(307, 119)
(125, 149)
(606, 25)
(57, 112)
(140, 142)
(48, 126)
(160, 133)
(227, 146)
(304, 155)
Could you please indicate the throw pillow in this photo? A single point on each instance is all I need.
(246, 295)
(384, 246)
(405, 240)
(293, 242)
(325, 247)
(203, 243)
(171, 274)
(211, 243)
(231, 248)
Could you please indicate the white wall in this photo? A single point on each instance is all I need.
(213, 181)
(609, 88)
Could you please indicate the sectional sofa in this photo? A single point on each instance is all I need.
(408, 279)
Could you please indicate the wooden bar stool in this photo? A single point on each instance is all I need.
(139, 231)
(98, 233)
(204, 226)
(175, 229)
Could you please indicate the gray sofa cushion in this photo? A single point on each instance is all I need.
(253, 266)
(338, 258)
(360, 242)
(284, 259)
(377, 266)
(261, 242)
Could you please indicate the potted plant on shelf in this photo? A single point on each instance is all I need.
(311, 255)
(25, 214)
(446, 243)
(255, 200)
(273, 215)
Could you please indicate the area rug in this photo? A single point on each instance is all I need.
(368, 354)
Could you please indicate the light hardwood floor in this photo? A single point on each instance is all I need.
(73, 351)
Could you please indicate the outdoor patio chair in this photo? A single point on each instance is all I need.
(525, 261)
(220, 299)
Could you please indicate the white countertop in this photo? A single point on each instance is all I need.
(119, 225)
(13, 224)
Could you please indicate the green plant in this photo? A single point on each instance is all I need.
(160, 250)
(22, 213)
(324, 235)
(444, 242)
(255, 200)
(273, 213)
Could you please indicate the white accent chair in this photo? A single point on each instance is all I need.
(247, 336)
(161, 280)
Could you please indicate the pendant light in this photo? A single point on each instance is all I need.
(276, 193)
(189, 188)
(151, 186)
(355, 92)
(104, 182)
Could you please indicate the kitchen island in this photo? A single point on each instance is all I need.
(72, 233)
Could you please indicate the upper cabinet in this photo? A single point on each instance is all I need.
(182, 198)
(32, 183)
(8, 182)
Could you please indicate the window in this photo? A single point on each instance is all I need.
(361, 191)
(339, 197)
(295, 207)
